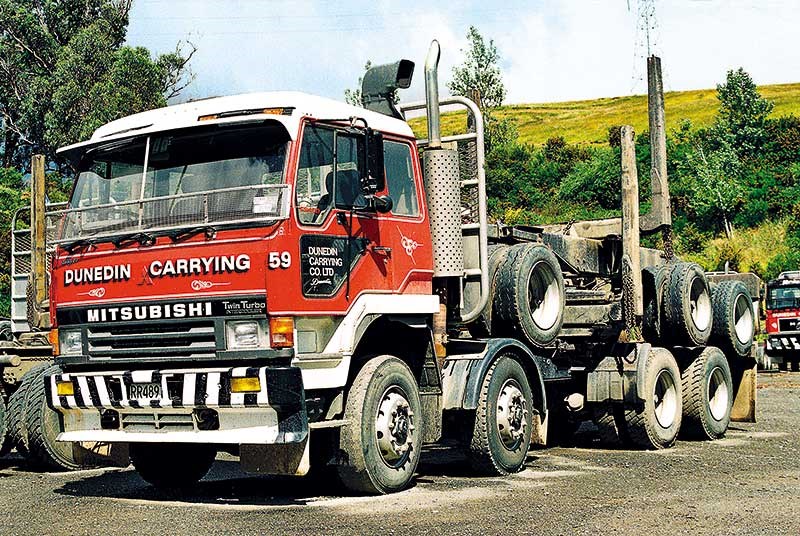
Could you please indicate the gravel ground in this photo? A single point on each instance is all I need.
(746, 483)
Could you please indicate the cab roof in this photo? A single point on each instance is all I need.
(286, 107)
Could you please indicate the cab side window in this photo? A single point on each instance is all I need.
(400, 178)
(314, 187)
(329, 173)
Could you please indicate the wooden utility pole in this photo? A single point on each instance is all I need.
(38, 242)
(660, 215)
(633, 300)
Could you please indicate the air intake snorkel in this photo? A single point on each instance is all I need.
(380, 83)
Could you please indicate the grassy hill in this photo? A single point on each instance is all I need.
(588, 121)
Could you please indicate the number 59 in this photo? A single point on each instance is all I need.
(281, 259)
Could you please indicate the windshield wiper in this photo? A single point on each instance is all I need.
(185, 234)
(81, 243)
(144, 239)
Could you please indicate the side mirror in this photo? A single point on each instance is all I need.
(382, 203)
(373, 179)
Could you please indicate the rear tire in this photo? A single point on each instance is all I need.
(687, 306)
(707, 395)
(42, 426)
(5, 443)
(733, 326)
(501, 433)
(530, 298)
(654, 280)
(172, 465)
(381, 442)
(655, 424)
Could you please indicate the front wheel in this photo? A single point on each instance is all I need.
(380, 445)
(501, 434)
(173, 465)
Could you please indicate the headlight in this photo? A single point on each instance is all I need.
(244, 334)
(70, 341)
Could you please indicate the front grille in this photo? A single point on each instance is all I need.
(152, 422)
(185, 340)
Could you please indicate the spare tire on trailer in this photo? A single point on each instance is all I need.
(687, 315)
(483, 327)
(42, 426)
(529, 298)
(733, 326)
(654, 281)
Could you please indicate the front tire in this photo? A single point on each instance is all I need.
(172, 465)
(381, 442)
(707, 395)
(501, 434)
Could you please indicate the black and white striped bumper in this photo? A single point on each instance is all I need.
(275, 414)
(783, 343)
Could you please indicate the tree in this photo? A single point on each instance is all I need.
(479, 72)
(353, 96)
(743, 112)
(64, 71)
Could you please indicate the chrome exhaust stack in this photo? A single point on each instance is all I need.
(432, 95)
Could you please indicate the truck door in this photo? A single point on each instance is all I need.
(343, 250)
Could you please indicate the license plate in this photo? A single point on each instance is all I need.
(144, 391)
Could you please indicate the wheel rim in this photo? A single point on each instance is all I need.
(700, 303)
(512, 415)
(743, 319)
(718, 396)
(394, 427)
(665, 399)
(543, 295)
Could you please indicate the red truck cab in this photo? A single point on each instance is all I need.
(783, 319)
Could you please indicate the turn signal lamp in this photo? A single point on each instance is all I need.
(65, 388)
(53, 337)
(245, 385)
(281, 332)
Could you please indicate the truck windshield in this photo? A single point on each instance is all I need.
(207, 176)
(784, 297)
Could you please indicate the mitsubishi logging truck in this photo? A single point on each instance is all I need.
(783, 321)
(305, 285)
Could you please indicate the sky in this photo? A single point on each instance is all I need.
(551, 50)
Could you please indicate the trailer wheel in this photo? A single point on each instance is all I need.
(482, 327)
(381, 443)
(707, 395)
(42, 426)
(655, 424)
(733, 327)
(501, 434)
(5, 443)
(607, 417)
(172, 465)
(5, 331)
(17, 431)
(687, 305)
(654, 279)
(530, 294)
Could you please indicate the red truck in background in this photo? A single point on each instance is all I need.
(783, 320)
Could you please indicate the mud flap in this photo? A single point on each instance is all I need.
(616, 377)
(276, 459)
(745, 384)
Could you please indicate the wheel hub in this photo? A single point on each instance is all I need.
(512, 413)
(665, 399)
(394, 427)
